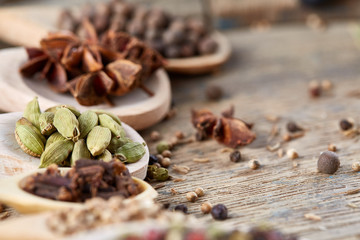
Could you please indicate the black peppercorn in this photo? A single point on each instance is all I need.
(153, 159)
(345, 125)
(293, 127)
(219, 212)
(235, 156)
(181, 207)
(214, 92)
(328, 162)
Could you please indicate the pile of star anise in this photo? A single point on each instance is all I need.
(92, 69)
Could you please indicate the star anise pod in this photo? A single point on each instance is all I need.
(228, 130)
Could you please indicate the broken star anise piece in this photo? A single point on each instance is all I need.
(230, 131)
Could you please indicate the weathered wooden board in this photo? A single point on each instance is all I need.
(268, 73)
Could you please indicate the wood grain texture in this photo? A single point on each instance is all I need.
(268, 73)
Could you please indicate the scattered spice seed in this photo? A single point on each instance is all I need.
(179, 135)
(179, 179)
(274, 132)
(314, 89)
(182, 208)
(352, 205)
(166, 153)
(352, 191)
(155, 136)
(224, 150)
(206, 207)
(332, 147)
(201, 160)
(165, 162)
(355, 166)
(181, 169)
(214, 92)
(219, 212)
(280, 152)
(254, 164)
(191, 196)
(288, 137)
(328, 162)
(293, 127)
(346, 124)
(312, 216)
(272, 118)
(173, 191)
(235, 156)
(200, 191)
(292, 154)
(326, 85)
(274, 147)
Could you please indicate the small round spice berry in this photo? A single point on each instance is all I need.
(153, 159)
(355, 166)
(162, 146)
(332, 147)
(206, 207)
(155, 136)
(181, 207)
(314, 89)
(213, 92)
(292, 154)
(179, 135)
(235, 156)
(199, 192)
(159, 157)
(191, 196)
(254, 164)
(165, 162)
(328, 162)
(219, 212)
(293, 127)
(166, 153)
(346, 124)
(326, 84)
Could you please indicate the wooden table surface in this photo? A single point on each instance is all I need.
(268, 74)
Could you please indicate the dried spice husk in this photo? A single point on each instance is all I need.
(230, 131)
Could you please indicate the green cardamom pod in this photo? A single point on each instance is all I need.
(106, 156)
(115, 143)
(130, 152)
(161, 174)
(29, 140)
(56, 153)
(32, 112)
(67, 124)
(46, 120)
(116, 129)
(113, 116)
(24, 121)
(87, 121)
(71, 108)
(80, 151)
(56, 136)
(98, 140)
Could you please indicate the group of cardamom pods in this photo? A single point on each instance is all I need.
(62, 135)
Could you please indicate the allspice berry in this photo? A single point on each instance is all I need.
(206, 207)
(199, 192)
(166, 153)
(235, 156)
(219, 212)
(213, 92)
(314, 89)
(191, 196)
(328, 162)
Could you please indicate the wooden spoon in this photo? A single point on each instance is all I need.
(136, 108)
(15, 161)
(12, 195)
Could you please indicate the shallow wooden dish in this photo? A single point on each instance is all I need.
(12, 195)
(15, 161)
(136, 109)
(202, 64)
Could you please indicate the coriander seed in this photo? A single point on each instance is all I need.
(355, 166)
(166, 153)
(328, 162)
(199, 192)
(155, 136)
(219, 212)
(254, 164)
(326, 85)
(235, 156)
(182, 208)
(292, 154)
(206, 207)
(191, 196)
(165, 162)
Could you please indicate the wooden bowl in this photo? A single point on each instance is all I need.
(202, 64)
(12, 195)
(15, 161)
(136, 109)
